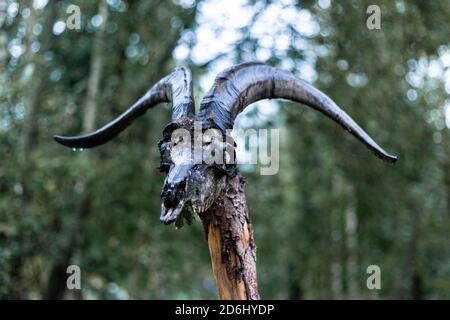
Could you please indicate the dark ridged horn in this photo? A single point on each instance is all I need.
(175, 88)
(238, 86)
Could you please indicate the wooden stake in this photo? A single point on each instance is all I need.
(231, 245)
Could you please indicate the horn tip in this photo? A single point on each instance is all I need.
(69, 142)
(391, 159)
(60, 140)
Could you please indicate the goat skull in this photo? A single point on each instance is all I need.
(194, 176)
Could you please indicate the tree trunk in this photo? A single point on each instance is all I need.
(56, 286)
(57, 281)
(25, 161)
(351, 234)
(95, 72)
(231, 245)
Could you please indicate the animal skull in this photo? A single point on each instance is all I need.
(195, 176)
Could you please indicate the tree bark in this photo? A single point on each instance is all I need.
(231, 245)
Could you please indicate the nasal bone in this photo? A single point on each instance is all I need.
(175, 184)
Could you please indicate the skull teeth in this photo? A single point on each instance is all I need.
(202, 208)
(197, 209)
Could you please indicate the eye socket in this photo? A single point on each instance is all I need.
(164, 167)
(179, 139)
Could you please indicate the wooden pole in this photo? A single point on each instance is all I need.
(231, 245)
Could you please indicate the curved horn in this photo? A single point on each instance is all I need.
(238, 86)
(175, 88)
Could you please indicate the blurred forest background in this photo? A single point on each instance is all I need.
(331, 211)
